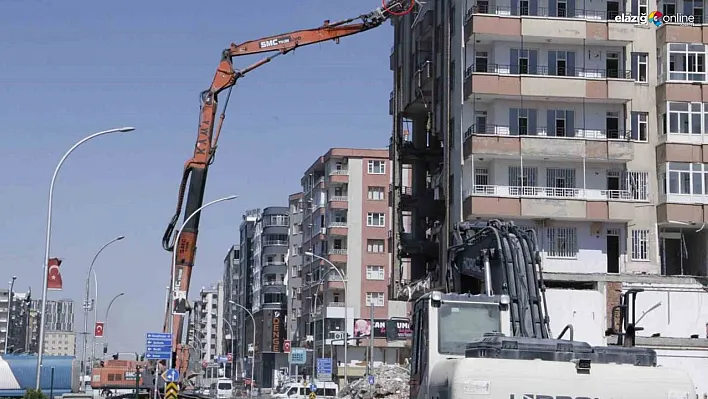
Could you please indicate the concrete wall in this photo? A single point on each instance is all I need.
(682, 313)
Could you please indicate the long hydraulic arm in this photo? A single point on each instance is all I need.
(195, 169)
(505, 259)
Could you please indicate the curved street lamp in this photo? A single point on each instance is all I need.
(48, 239)
(346, 311)
(253, 361)
(87, 306)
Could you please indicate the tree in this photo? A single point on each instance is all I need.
(34, 394)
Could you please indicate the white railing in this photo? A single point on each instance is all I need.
(337, 251)
(340, 172)
(337, 224)
(552, 193)
(338, 198)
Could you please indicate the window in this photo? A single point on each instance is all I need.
(561, 63)
(376, 219)
(374, 272)
(522, 182)
(686, 62)
(643, 7)
(560, 123)
(523, 61)
(686, 118)
(377, 167)
(686, 178)
(375, 246)
(640, 67)
(640, 126)
(375, 298)
(481, 181)
(562, 242)
(561, 183)
(640, 244)
(522, 121)
(376, 193)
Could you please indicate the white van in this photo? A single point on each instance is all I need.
(300, 391)
(221, 389)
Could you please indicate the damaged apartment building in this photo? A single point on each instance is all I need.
(588, 130)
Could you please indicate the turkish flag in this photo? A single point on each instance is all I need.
(54, 275)
(98, 330)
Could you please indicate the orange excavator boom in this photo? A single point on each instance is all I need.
(195, 169)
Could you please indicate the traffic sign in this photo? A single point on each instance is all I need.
(171, 390)
(371, 380)
(158, 346)
(221, 359)
(229, 357)
(287, 346)
(297, 356)
(171, 375)
(324, 366)
(313, 387)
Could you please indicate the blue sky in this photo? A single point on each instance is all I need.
(71, 68)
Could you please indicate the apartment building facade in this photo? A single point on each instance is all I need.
(59, 314)
(16, 322)
(243, 295)
(296, 256)
(230, 281)
(269, 291)
(559, 116)
(209, 313)
(345, 221)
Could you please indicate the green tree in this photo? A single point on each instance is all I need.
(34, 394)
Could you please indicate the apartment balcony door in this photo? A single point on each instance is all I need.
(613, 251)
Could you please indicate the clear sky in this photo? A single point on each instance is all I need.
(71, 68)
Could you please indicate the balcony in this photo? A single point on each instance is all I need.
(572, 84)
(340, 176)
(677, 33)
(592, 144)
(423, 75)
(337, 228)
(339, 201)
(539, 22)
(337, 255)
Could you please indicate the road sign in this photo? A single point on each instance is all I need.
(312, 395)
(371, 380)
(171, 390)
(324, 369)
(158, 346)
(297, 356)
(286, 346)
(313, 387)
(221, 359)
(171, 375)
(229, 357)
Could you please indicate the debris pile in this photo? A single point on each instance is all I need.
(390, 382)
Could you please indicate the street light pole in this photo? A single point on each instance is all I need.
(253, 361)
(48, 240)
(87, 307)
(232, 350)
(105, 320)
(346, 310)
(173, 275)
(9, 310)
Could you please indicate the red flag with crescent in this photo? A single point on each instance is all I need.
(54, 275)
(98, 329)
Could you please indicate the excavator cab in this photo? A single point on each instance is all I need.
(444, 323)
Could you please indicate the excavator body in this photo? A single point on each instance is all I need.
(494, 340)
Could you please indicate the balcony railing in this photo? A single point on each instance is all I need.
(338, 198)
(337, 224)
(543, 132)
(275, 242)
(339, 172)
(545, 70)
(337, 251)
(591, 15)
(554, 193)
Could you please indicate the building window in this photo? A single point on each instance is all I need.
(686, 178)
(640, 67)
(686, 118)
(640, 126)
(376, 193)
(374, 272)
(377, 167)
(686, 62)
(643, 7)
(640, 244)
(375, 298)
(375, 246)
(562, 242)
(376, 219)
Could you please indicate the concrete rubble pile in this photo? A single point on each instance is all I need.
(390, 382)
